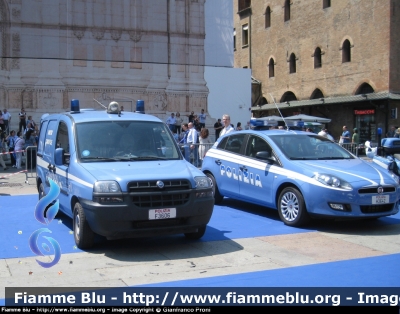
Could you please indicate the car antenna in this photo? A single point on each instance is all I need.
(273, 99)
(99, 103)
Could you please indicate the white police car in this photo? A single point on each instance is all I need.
(120, 174)
(301, 174)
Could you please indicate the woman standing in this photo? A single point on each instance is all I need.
(239, 126)
(19, 147)
(178, 123)
(204, 143)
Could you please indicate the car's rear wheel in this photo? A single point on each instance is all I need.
(196, 235)
(84, 236)
(291, 207)
(217, 196)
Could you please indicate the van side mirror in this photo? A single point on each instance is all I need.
(61, 157)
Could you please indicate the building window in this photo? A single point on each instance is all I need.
(326, 4)
(244, 4)
(245, 35)
(271, 68)
(287, 10)
(317, 58)
(346, 53)
(365, 88)
(234, 39)
(288, 96)
(292, 63)
(268, 17)
(317, 94)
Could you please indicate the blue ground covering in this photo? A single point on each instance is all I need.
(233, 220)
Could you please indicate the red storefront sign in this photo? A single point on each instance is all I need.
(364, 111)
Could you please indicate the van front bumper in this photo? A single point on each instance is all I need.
(128, 220)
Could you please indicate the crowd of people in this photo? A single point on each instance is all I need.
(194, 137)
(14, 143)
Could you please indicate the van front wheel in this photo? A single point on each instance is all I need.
(84, 236)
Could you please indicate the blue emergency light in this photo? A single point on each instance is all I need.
(140, 106)
(75, 106)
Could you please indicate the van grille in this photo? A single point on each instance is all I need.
(151, 186)
(369, 209)
(147, 194)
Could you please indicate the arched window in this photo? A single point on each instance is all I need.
(288, 96)
(268, 17)
(365, 88)
(271, 68)
(292, 63)
(287, 10)
(317, 58)
(263, 101)
(245, 35)
(346, 53)
(326, 4)
(317, 94)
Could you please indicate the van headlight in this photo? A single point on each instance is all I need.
(332, 181)
(202, 183)
(106, 187)
(107, 192)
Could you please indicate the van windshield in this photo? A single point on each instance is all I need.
(124, 140)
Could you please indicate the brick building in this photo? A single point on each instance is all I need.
(335, 59)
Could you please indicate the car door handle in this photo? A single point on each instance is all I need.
(218, 162)
(243, 168)
(52, 168)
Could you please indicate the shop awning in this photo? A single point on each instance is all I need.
(329, 101)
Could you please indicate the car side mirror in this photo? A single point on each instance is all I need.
(61, 157)
(265, 156)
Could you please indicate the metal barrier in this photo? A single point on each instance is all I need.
(196, 154)
(30, 163)
(356, 149)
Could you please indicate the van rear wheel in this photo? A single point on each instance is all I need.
(83, 235)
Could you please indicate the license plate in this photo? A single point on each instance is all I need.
(162, 213)
(380, 199)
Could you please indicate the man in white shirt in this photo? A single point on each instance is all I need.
(192, 141)
(226, 120)
(7, 120)
(171, 121)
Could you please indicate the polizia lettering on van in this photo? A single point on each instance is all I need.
(245, 176)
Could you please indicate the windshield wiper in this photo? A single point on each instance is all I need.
(151, 158)
(101, 159)
(301, 158)
(331, 158)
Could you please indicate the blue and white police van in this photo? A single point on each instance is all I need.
(121, 175)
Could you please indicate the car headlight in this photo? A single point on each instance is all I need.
(106, 187)
(202, 182)
(332, 181)
(395, 177)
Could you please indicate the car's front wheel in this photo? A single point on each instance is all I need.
(196, 235)
(217, 196)
(41, 191)
(291, 207)
(84, 236)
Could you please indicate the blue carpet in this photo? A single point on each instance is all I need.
(232, 220)
(18, 223)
